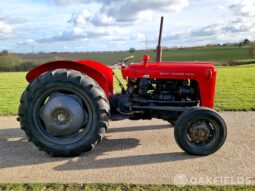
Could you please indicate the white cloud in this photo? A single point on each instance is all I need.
(66, 2)
(145, 15)
(28, 42)
(102, 20)
(245, 8)
(235, 27)
(61, 37)
(80, 18)
(86, 26)
(138, 36)
(106, 24)
(116, 15)
(129, 10)
(84, 17)
(232, 29)
(224, 31)
(13, 20)
(205, 31)
(222, 7)
(6, 30)
(79, 33)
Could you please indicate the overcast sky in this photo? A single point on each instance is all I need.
(102, 25)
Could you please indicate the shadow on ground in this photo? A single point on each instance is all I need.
(17, 151)
(138, 128)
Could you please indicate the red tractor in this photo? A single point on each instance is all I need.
(67, 106)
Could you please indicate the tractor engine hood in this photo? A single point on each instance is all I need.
(170, 70)
(203, 73)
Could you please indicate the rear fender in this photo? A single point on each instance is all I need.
(102, 74)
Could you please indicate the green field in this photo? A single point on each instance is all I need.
(235, 89)
(215, 54)
(118, 187)
(11, 87)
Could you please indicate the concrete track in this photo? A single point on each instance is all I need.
(133, 152)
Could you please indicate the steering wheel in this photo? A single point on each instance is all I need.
(123, 61)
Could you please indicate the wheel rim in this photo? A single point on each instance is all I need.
(202, 132)
(59, 127)
(63, 114)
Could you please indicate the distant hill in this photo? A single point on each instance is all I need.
(219, 55)
(214, 54)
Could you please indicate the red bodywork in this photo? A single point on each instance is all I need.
(203, 73)
(102, 74)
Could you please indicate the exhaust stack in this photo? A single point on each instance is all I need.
(159, 48)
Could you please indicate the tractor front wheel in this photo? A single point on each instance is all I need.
(64, 112)
(200, 131)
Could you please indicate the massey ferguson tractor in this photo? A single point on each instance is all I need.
(67, 106)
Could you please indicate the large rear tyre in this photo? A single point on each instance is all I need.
(64, 112)
(200, 131)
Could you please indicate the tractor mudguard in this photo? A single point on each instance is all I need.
(102, 74)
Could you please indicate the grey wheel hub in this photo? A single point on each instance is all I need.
(199, 132)
(63, 115)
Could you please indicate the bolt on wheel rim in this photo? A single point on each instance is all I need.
(201, 132)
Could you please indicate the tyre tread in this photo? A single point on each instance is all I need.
(80, 79)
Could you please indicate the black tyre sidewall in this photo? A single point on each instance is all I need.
(84, 85)
(199, 113)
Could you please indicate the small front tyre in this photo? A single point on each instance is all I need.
(200, 131)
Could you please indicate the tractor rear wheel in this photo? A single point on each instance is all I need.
(200, 131)
(64, 112)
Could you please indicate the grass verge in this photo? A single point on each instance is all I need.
(235, 88)
(118, 187)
